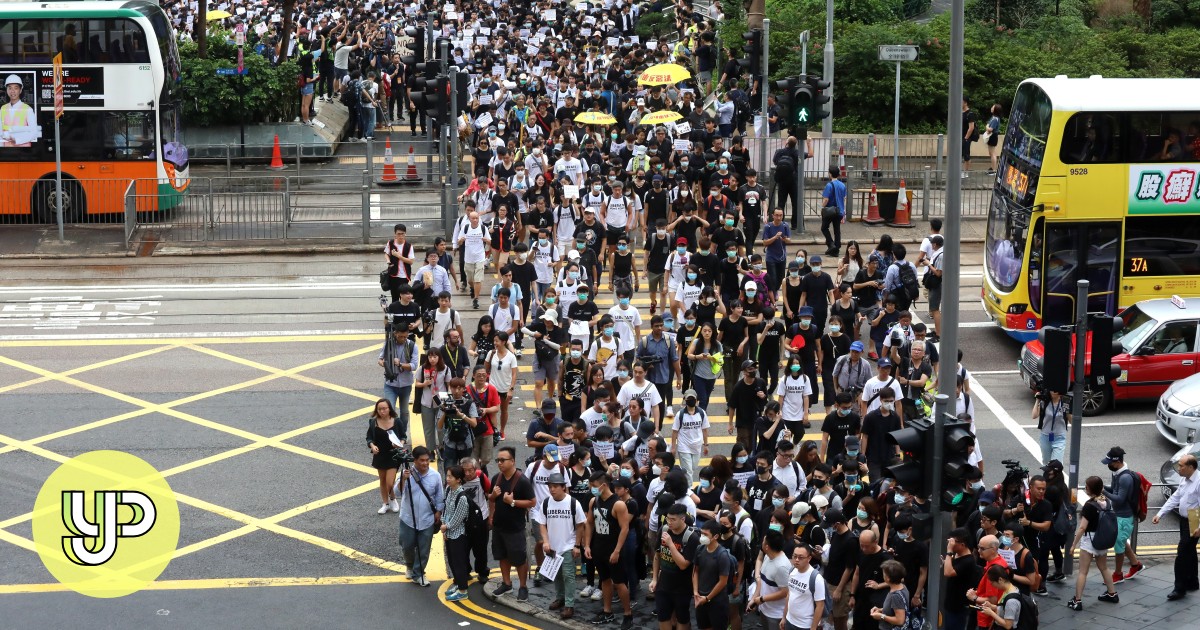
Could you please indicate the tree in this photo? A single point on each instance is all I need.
(200, 28)
(289, 6)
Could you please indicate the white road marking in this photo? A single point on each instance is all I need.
(194, 335)
(1131, 423)
(991, 372)
(212, 288)
(976, 325)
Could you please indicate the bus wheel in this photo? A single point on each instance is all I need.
(44, 207)
(1097, 399)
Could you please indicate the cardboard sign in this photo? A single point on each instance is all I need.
(613, 42)
(570, 191)
(682, 145)
(485, 119)
(682, 128)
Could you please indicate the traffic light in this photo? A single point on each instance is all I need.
(783, 90)
(1104, 348)
(462, 94)
(423, 86)
(915, 441)
(819, 89)
(1056, 358)
(416, 46)
(802, 105)
(753, 49)
(437, 97)
(957, 441)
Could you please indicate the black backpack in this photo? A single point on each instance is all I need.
(932, 280)
(475, 525)
(1105, 535)
(351, 94)
(908, 279)
(1028, 617)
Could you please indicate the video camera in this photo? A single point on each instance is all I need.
(402, 455)
(1016, 472)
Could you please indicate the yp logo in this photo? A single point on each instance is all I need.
(106, 524)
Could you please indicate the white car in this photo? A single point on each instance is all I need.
(1178, 413)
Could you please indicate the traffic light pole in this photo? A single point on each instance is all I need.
(798, 210)
(762, 91)
(937, 537)
(827, 124)
(448, 213)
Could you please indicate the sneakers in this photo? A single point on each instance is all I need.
(627, 623)
(1074, 604)
(475, 303)
(394, 505)
(422, 581)
(1111, 598)
(567, 613)
(1041, 591)
(1134, 570)
(457, 596)
(1118, 577)
(502, 438)
(522, 593)
(587, 591)
(604, 618)
(538, 582)
(873, 356)
(502, 589)
(1057, 577)
(383, 509)
(597, 595)
(452, 590)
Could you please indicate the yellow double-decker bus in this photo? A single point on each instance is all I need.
(1099, 179)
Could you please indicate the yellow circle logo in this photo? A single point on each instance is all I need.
(106, 524)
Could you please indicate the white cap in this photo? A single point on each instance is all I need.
(550, 316)
(750, 284)
(12, 78)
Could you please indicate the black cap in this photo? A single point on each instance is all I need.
(1115, 454)
(665, 501)
(834, 515)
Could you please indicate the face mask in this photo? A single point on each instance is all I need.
(595, 492)
(583, 297)
(622, 248)
(887, 405)
(596, 188)
(794, 274)
(835, 328)
(622, 373)
(624, 301)
(543, 242)
(742, 459)
(574, 275)
(614, 136)
(705, 484)
(1005, 541)
(751, 293)
(691, 276)
(816, 269)
(819, 483)
(491, 134)
(689, 322)
(862, 516)
(805, 323)
(898, 499)
(537, 151)
(704, 540)
(575, 354)
(731, 255)
(626, 473)
(901, 536)
(776, 527)
(522, 257)
(977, 486)
(852, 454)
(500, 126)
(683, 163)
(800, 259)
(724, 166)
(712, 164)
(681, 250)
(761, 470)
(656, 470)
(551, 300)
(608, 331)
(843, 412)
(795, 369)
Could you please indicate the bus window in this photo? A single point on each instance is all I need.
(1162, 245)
(32, 43)
(1089, 137)
(129, 135)
(65, 35)
(1035, 267)
(8, 41)
(1075, 251)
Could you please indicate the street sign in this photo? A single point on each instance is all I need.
(58, 86)
(230, 72)
(898, 53)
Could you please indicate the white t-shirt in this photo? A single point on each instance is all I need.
(646, 392)
(625, 320)
(801, 603)
(569, 166)
(618, 212)
(503, 317)
(442, 322)
(475, 247)
(689, 431)
(685, 501)
(606, 352)
(676, 266)
(873, 385)
(540, 477)
(543, 261)
(794, 392)
(787, 476)
(560, 519)
(774, 574)
(688, 294)
(501, 375)
(592, 419)
(639, 451)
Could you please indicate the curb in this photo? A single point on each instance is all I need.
(509, 601)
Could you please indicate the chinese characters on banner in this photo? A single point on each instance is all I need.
(1164, 188)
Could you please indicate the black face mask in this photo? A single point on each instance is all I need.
(761, 470)
(818, 483)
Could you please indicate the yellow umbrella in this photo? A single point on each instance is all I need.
(655, 118)
(595, 118)
(217, 15)
(664, 74)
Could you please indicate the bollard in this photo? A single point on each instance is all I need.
(925, 195)
(370, 161)
(849, 193)
(941, 149)
(867, 166)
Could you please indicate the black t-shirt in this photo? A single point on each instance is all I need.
(686, 229)
(843, 556)
(816, 291)
(592, 234)
(722, 237)
(1091, 512)
(867, 296)
(732, 333)
(707, 264)
(660, 249)
(505, 517)
(746, 403)
(1040, 512)
(768, 351)
(832, 348)
(583, 312)
(731, 274)
(876, 427)
(672, 579)
(403, 315)
(710, 566)
(913, 373)
(1026, 566)
(574, 376)
(524, 275)
(911, 554)
(811, 336)
(758, 494)
(870, 567)
(966, 577)
(838, 427)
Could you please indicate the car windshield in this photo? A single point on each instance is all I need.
(1138, 325)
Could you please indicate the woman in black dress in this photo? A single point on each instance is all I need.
(382, 440)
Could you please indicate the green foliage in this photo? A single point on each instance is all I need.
(654, 25)
(1170, 14)
(211, 100)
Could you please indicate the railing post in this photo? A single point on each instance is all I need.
(370, 161)
(212, 218)
(287, 203)
(366, 207)
(941, 150)
(228, 162)
(849, 192)
(925, 195)
(869, 167)
(299, 182)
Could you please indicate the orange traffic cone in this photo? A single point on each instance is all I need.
(873, 217)
(842, 161)
(903, 210)
(411, 176)
(389, 168)
(276, 157)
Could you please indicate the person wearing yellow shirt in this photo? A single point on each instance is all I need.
(14, 113)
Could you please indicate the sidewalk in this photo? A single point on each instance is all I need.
(105, 241)
(1143, 605)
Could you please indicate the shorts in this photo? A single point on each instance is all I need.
(655, 284)
(614, 233)
(536, 530)
(609, 571)
(672, 287)
(307, 88)
(547, 372)
(474, 271)
(677, 606)
(841, 606)
(510, 546)
(714, 614)
(340, 74)
(1124, 533)
(1086, 545)
(935, 299)
(966, 150)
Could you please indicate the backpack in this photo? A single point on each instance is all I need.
(1027, 619)
(350, 95)
(1105, 536)
(481, 427)
(908, 280)
(932, 281)
(1062, 521)
(1035, 578)
(475, 525)
(457, 432)
(812, 587)
(1142, 487)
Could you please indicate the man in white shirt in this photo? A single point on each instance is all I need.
(770, 590)
(475, 241)
(444, 319)
(639, 387)
(870, 392)
(1185, 498)
(689, 436)
(787, 470)
(561, 520)
(593, 417)
(806, 591)
(628, 322)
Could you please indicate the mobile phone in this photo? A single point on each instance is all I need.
(975, 607)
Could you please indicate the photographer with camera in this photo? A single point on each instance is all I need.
(1053, 414)
(912, 374)
(419, 491)
(405, 313)
(399, 361)
(457, 418)
(659, 357)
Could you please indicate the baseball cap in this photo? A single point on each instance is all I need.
(551, 453)
(691, 393)
(645, 430)
(819, 501)
(657, 178)
(665, 501)
(641, 101)
(1115, 454)
(681, 241)
(550, 316)
(834, 516)
(749, 363)
(815, 260)
(856, 346)
(548, 406)
(852, 440)
(750, 284)
(987, 497)
(884, 362)
(1054, 464)
(799, 510)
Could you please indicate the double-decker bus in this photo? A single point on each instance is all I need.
(1099, 179)
(121, 116)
